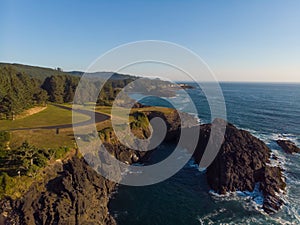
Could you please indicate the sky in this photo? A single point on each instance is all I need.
(257, 41)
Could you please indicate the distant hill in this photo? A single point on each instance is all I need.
(42, 73)
(115, 76)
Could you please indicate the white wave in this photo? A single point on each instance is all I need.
(271, 137)
(135, 172)
(196, 116)
(193, 164)
(127, 171)
(251, 200)
(286, 136)
(278, 159)
(208, 218)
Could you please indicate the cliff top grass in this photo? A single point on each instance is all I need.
(51, 116)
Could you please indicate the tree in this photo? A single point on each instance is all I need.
(17, 91)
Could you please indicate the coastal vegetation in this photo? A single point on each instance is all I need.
(18, 92)
(20, 166)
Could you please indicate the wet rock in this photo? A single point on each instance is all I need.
(241, 163)
(288, 146)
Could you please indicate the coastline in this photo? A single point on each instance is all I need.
(173, 129)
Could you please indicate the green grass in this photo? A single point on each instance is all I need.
(47, 138)
(51, 116)
(43, 138)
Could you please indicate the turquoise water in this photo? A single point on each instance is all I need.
(268, 111)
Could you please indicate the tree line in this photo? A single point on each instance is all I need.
(19, 91)
(20, 88)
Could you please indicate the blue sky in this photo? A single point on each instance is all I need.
(240, 40)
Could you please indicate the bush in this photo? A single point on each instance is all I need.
(6, 182)
(4, 138)
(61, 152)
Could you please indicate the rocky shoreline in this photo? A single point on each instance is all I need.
(76, 194)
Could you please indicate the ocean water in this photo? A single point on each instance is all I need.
(268, 111)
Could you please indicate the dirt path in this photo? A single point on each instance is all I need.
(31, 111)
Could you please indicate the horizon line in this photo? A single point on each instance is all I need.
(186, 81)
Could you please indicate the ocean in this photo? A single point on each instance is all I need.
(269, 111)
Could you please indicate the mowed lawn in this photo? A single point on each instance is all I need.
(51, 116)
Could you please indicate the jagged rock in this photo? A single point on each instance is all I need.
(288, 146)
(271, 184)
(78, 195)
(9, 211)
(241, 163)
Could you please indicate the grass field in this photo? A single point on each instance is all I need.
(47, 138)
(51, 116)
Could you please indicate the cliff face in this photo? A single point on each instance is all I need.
(77, 195)
(242, 162)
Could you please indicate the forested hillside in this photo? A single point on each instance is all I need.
(39, 73)
(21, 89)
(18, 91)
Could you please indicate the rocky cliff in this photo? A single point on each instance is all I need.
(75, 195)
(242, 162)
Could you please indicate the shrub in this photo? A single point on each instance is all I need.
(4, 138)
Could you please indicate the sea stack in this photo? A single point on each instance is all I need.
(242, 162)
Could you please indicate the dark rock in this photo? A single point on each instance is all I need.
(288, 146)
(77, 195)
(9, 211)
(241, 163)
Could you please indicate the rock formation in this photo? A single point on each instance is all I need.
(288, 146)
(77, 195)
(242, 162)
